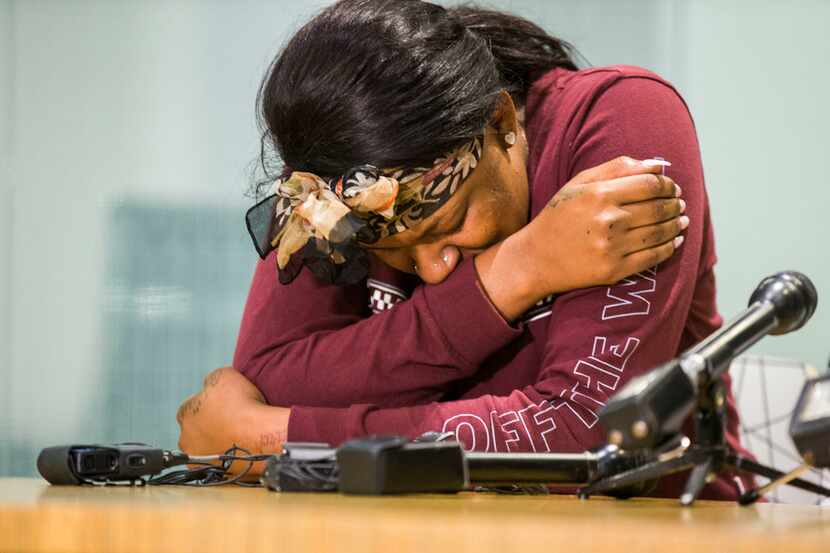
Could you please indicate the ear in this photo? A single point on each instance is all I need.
(505, 118)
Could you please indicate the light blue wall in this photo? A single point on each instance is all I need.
(755, 75)
(6, 76)
(126, 137)
(123, 113)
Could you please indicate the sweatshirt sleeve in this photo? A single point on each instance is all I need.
(314, 344)
(597, 338)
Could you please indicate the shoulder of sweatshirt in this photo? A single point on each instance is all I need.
(565, 90)
(560, 106)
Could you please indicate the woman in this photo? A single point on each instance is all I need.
(500, 212)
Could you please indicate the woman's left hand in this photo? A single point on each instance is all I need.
(229, 411)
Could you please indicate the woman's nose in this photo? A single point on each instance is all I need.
(434, 263)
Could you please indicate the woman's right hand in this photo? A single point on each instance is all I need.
(605, 224)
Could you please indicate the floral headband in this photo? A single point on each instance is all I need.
(319, 224)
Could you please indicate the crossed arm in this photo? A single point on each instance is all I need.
(230, 409)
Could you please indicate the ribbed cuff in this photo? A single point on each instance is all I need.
(472, 326)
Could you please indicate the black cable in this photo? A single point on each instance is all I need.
(210, 474)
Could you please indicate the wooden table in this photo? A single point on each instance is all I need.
(37, 517)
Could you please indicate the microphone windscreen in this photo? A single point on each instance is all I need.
(792, 294)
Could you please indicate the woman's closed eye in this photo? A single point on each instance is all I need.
(456, 224)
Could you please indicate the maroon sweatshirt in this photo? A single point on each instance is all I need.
(395, 356)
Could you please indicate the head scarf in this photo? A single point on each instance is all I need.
(320, 223)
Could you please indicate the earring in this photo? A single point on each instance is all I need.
(510, 138)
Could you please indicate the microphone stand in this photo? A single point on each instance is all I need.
(378, 465)
(708, 456)
(560, 469)
(654, 405)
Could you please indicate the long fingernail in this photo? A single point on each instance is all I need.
(677, 190)
(682, 206)
(656, 163)
(677, 241)
(684, 222)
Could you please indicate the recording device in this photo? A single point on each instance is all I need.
(392, 464)
(302, 467)
(136, 463)
(653, 406)
(809, 431)
(80, 464)
(810, 422)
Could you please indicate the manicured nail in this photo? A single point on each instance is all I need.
(677, 190)
(684, 222)
(656, 163)
(677, 241)
(682, 206)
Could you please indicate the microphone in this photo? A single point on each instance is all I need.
(781, 303)
(654, 405)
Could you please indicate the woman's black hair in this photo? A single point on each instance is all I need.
(395, 82)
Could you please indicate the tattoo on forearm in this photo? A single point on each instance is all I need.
(189, 407)
(270, 441)
(212, 378)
